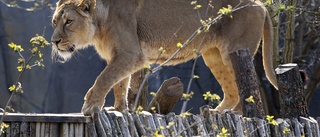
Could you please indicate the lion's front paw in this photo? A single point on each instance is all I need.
(92, 101)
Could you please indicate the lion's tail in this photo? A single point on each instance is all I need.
(267, 51)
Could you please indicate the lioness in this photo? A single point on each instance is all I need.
(128, 33)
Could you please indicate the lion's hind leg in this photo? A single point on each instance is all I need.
(120, 94)
(224, 74)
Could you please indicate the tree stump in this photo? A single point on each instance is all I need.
(291, 90)
(166, 97)
(136, 81)
(247, 82)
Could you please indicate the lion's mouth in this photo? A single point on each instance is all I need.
(69, 49)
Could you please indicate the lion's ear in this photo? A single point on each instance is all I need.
(87, 6)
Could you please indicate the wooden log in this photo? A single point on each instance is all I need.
(160, 124)
(291, 91)
(181, 128)
(113, 123)
(123, 124)
(260, 127)
(315, 126)
(132, 126)
(310, 127)
(136, 81)
(106, 123)
(147, 119)
(187, 126)
(166, 97)
(228, 123)
(91, 130)
(139, 126)
(208, 121)
(117, 127)
(297, 127)
(202, 131)
(97, 122)
(172, 124)
(248, 84)
(238, 124)
(275, 132)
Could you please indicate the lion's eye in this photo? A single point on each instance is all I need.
(68, 22)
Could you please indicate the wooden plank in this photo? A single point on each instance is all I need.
(64, 132)
(47, 130)
(54, 130)
(42, 131)
(15, 129)
(24, 129)
(38, 129)
(71, 130)
(32, 129)
(27, 117)
(80, 130)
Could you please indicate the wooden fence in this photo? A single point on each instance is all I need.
(253, 122)
(136, 124)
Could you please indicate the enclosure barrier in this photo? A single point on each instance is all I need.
(112, 123)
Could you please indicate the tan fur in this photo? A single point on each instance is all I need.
(128, 33)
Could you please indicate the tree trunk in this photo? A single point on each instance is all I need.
(292, 95)
(136, 81)
(247, 82)
(289, 37)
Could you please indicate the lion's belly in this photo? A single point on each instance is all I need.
(156, 56)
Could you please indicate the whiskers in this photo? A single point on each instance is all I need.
(56, 57)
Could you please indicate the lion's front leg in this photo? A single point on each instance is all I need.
(120, 68)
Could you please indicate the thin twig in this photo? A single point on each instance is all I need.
(13, 92)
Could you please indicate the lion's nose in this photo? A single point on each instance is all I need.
(56, 42)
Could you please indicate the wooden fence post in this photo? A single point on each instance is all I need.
(291, 90)
(166, 97)
(247, 82)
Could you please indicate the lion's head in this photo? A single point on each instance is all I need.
(73, 27)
